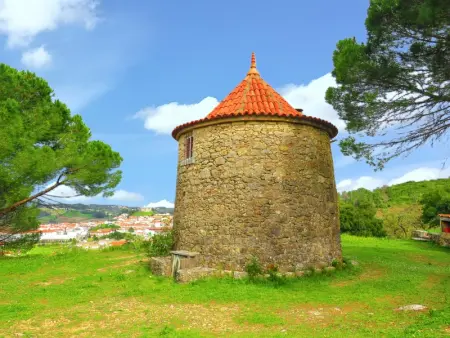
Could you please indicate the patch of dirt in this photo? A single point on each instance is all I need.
(418, 258)
(390, 300)
(369, 274)
(54, 281)
(320, 314)
(432, 281)
(113, 316)
(125, 317)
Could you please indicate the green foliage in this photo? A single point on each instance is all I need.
(105, 226)
(434, 203)
(401, 224)
(272, 271)
(253, 268)
(116, 235)
(160, 244)
(20, 245)
(42, 144)
(399, 206)
(357, 217)
(398, 78)
(99, 214)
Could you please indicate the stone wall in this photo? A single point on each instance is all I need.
(258, 188)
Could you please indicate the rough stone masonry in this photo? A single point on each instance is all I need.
(261, 187)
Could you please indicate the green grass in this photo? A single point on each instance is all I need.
(58, 292)
(143, 213)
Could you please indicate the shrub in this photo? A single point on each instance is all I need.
(160, 244)
(272, 271)
(253, 268)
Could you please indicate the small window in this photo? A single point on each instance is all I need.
(188, 150)
(188, 147)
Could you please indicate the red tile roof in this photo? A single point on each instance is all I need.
(119, 243)
(254, 96)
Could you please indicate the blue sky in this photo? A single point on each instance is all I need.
(135, 69)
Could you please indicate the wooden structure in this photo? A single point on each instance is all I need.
(183, 259)
(445, 223)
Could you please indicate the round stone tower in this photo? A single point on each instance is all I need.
(256, 179)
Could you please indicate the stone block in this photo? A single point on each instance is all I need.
(189, 275)
(240, 274)
(161, 266)
(444, 239)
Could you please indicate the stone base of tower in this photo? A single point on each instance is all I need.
(167, 266)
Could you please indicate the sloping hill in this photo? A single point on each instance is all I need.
(403, 195)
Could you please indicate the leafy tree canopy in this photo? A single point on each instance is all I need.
(42, 146)
(434, 203)
(358, 218)
(397, 84)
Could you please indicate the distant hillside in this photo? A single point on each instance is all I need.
(81, 212)
(398, 206)
(411, 192)
(397, 195)
(163, 210)
(72, 213)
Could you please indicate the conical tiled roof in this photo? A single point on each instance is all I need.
(253, 96)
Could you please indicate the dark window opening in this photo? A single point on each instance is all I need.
(189, 147)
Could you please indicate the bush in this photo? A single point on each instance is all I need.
(116, 235)
(359, 218)
(160, 244)
(272, 271)
(253, 268)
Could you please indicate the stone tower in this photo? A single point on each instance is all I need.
(256, 178)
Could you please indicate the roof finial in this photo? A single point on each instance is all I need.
(253, 69)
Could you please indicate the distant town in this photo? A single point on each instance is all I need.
(95, 234)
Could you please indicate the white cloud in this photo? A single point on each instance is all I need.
(370, 182)
(311, 98)
(160, 204)
(366, 182)
(64, 194)
(163, 119)
(36, 58)
(22, 20)
(422, 174)
(122, 195)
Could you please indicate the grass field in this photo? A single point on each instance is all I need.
(57, 293)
